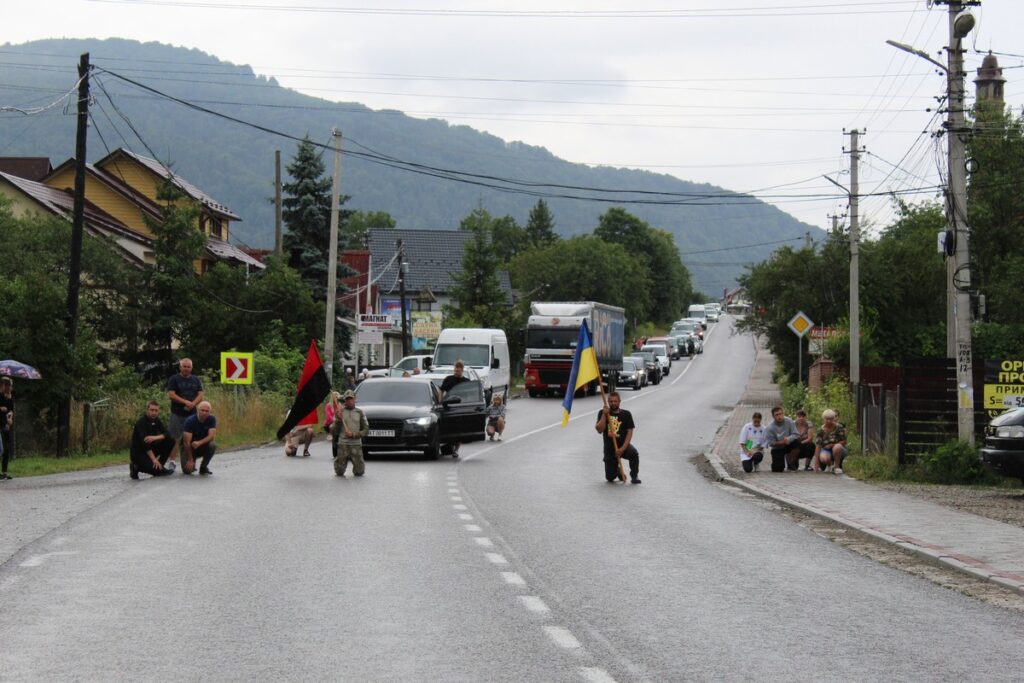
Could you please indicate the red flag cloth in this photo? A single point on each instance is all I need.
(314, 387)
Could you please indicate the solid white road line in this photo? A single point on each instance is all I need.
(562, 637)
(513, 579)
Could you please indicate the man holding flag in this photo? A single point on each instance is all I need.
(616, 424)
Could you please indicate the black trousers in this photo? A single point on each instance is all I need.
(786, 456)
(611, 465)
(5, 434)
(806, 451)
(205, 452)
(755, 459)
(162, 450)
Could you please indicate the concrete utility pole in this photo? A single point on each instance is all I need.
(960, 24)
(278, 242)
(854, 262)
(401, 294)
(332, 258)
(75, 267)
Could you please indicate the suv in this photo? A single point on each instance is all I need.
(662, 353)
(651, 364)
(1003, 452)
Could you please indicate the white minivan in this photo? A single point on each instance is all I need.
(484, 350)
(699, 312)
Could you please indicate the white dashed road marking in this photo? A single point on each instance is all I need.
(534, 604)
(483, 541)
(37, 560)
(459, 507)
(595, 675)
(472, 527)
(466, 516)
(496, 558)
(513, 579)
(457, 499)
(562, 637)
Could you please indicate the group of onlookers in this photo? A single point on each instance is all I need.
(790, 441)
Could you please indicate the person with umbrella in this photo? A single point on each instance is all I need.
(6, 425)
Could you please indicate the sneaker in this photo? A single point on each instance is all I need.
(499, 437)
(839, 470)
(757, 466)
(634, 480)
(305, 454)
(133, 471)
(492, 437)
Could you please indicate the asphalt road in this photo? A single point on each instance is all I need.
(517, 562)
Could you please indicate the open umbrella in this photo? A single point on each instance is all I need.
(12, 368)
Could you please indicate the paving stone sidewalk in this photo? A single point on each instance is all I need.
(982, 547)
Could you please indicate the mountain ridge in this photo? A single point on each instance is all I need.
(235, 164)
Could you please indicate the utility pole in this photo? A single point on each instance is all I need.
(401, 294)
(960, 24)
(332, 258)
(854, 261)
(278, 242)
(75, 267)
(807, 240)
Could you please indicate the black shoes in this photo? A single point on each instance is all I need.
(205, 470)
(133, 471)
(634, 480)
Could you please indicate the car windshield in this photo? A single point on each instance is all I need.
(551, 338)
(644, 355)
(477, 355)
(657, 350)
(407, 392)
(629, 364)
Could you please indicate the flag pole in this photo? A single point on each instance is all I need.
(615, 441)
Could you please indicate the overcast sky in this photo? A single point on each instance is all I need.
(744, 94)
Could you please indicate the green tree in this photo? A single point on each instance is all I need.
(477, 288)
(360, 222)
(509, 239)
(585, 268)
(669, 287)
(540, 226)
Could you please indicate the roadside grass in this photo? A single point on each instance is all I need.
(885, 467)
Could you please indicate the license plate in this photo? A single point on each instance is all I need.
(382, 433)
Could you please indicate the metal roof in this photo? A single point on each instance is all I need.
(32, 168)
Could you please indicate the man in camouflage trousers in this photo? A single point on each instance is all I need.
(352, 426)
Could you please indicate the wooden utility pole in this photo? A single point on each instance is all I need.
(854, 261)
(332, 259)
(75, 267)
(278, 241)
(401, 294)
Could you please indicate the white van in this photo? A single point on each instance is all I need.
(699, 312)
(486, 351)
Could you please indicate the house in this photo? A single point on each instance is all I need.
(121, 192)
(431, 258)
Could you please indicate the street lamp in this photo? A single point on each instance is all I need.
(958, 272)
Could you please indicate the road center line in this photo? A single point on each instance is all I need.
(595, 674)
(483, 541)
(496, 558)
(534, 604)
(466, 517)
(458, 506)
(472, 527)
(562, 637)
(513, 579)
(457, 499)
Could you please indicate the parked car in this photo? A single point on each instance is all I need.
(662, 354)
(714, 312)
(407, 364)
(693, 330)
(650, 364)
(1003, 452)
(633, 373)
(406, 414)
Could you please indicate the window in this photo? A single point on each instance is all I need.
(467, 391)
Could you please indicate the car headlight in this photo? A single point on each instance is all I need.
(1010, 432)
(419, 421)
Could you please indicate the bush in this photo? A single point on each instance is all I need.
(955, 462)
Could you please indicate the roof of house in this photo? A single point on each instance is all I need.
(162, 171)
(225, 251)
(433, 256)
(32, 168)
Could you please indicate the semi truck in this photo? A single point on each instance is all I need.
(552, 332)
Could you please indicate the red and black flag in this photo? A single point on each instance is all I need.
(314, 386)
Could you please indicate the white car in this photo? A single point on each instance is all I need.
(664, 361)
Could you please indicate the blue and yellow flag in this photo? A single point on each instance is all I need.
(584, 370)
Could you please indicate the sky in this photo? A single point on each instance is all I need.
(749, 95)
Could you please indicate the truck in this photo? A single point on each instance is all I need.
(552, 331)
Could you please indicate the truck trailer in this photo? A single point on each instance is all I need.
(552, 332)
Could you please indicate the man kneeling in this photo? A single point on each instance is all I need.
(152, 445)
(199, 432)
(616, 426)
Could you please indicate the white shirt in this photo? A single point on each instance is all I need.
(752, 436)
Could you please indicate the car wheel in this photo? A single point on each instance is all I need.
(637, 386)
(534, 393)
(434, 449)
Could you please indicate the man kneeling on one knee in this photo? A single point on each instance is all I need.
(152, 445)
(199, 432)
(784, 439)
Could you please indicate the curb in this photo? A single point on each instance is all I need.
(937, 555)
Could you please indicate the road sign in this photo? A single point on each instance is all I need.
(375, 321)
(235, 367)
(370, 337)
(800, 324)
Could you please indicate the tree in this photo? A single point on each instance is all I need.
(585, 268)
(306, 212)
(359, 223)
(509, 239)
(477, 288)
(540, 226)
(669, 287)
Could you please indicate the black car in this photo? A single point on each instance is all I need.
(406, 414)
(1003, 452)
(633, 373)
(651, 363)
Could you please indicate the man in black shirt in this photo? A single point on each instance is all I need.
(152, 445)
(457, 377)
(186, 392)
(613, 421)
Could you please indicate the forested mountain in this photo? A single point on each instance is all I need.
(235, 163)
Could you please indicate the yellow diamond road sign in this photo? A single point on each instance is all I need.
(800, 324)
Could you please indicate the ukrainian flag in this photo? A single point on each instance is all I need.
(584, 370)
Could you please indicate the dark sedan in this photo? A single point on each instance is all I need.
(405, 414)
(651, 364)
(1003, 452)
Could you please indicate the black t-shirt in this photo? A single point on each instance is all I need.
(5, 402)
(450, 381)
(145, 427)
(186, 387)
(618, 424)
